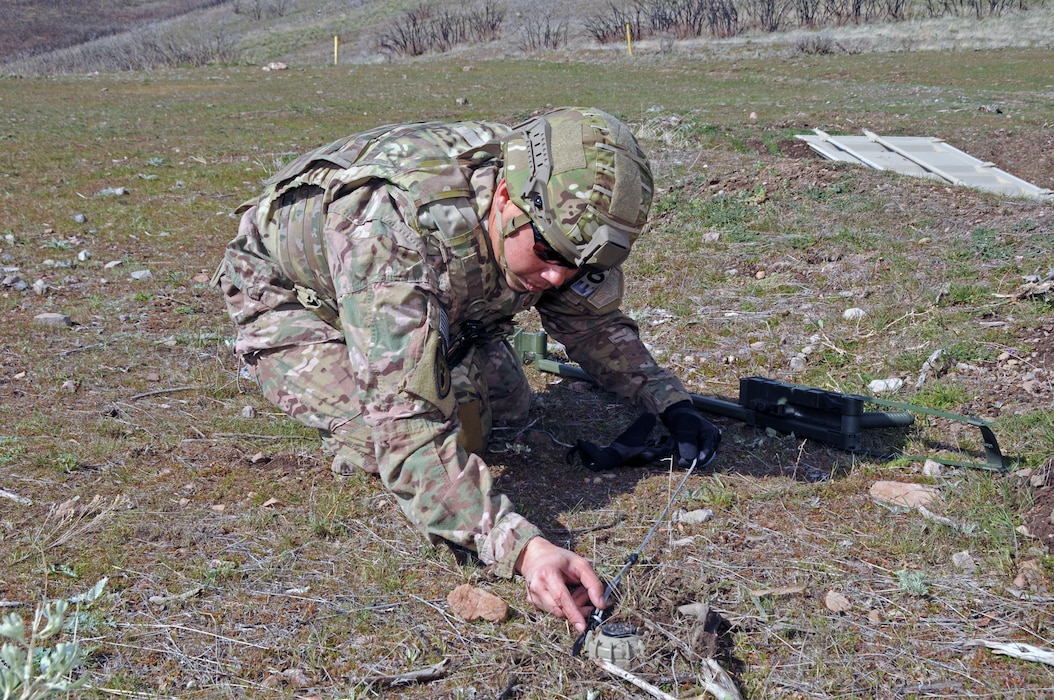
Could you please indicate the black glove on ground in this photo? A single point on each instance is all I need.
(630, 448)
(695, 437)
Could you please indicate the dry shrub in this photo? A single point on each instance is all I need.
(425, 29)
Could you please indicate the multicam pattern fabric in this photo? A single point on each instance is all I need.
(348, 279)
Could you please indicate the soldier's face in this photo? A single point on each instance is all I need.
(525, 271)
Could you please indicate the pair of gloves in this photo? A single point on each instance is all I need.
(691, 436)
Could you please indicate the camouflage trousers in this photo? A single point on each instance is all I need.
(490, 385)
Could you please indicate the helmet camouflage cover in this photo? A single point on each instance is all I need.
(581, 177)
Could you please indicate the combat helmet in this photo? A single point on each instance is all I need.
(582, 179)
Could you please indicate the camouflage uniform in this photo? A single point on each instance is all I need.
(353, 275)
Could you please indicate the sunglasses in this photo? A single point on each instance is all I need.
(546, 252)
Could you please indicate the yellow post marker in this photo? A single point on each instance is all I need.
(336, 48)
(629, 39)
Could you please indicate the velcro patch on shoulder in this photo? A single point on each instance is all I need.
(600, 289)
(431, 379)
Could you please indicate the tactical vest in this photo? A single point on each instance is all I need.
(425, 166)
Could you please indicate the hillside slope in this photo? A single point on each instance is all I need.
(38, 26)
(36, 37)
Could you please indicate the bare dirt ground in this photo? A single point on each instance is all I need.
(1030, 156)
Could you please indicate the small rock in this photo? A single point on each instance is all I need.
(699, 611)
(80, 218)
(40, 288)
(854, 314)
(470, 603)
(1030, 576)
(84, 255)
(874, 617)
(1032, 385)
(932, 468)
(112, 264)
(15, 283)
(297, 678)
(897, 493)
(964, 562)
(112, 192)
(694, 517)
(249, 412)
(885, 386)
(51, 319)
(69, 386)
(142, 275)
(797, 362)
(760, 275)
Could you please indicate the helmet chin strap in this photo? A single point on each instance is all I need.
(514, 224)
(507, 228)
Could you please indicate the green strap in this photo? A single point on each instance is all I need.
(993, 456)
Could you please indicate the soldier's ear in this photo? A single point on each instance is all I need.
(501, 194)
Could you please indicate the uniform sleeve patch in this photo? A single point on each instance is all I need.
(600, 288)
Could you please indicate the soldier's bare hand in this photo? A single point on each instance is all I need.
(560, 582)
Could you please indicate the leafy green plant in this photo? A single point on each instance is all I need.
(913, 582)
(57, 244)
(10, 450)
(29, 669)
(68, 462)
(714, 492)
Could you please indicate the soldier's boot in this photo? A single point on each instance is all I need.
(346, 457)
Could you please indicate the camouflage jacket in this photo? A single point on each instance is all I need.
(382, 235)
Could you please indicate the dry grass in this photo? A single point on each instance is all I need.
(240, 567)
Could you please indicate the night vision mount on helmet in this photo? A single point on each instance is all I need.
(581, 177)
